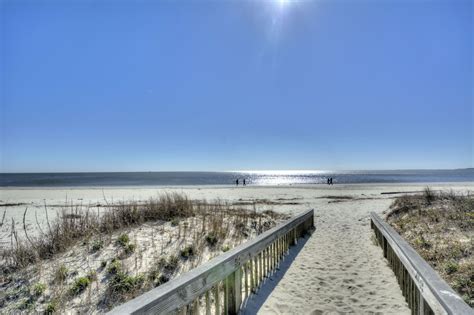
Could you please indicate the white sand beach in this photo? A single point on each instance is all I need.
(338, 269)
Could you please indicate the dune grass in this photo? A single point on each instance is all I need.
(440, 226)
(90, 261)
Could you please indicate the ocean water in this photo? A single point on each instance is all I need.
(229, 178)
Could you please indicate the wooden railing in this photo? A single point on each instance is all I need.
(224, 283)
(423, 289)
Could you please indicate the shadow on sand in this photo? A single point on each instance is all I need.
(256, 301)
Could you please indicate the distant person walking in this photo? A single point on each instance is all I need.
(244, 182)
(237, 182)
(329, 181)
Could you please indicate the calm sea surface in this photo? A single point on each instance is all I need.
(229, 178)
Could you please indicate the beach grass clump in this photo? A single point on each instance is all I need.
(212, 239)
(451, 267)
(130, 248)
(97, 245)
(123, 286)
(156, 277)
(123, 240)
(170, 264)
(51, 307)
(429, 195)
(125, 283)
(79, 285)
(114, 267)
(92, 275)
(440, 227)
(38, 289)
(188, 251)
(26, 304)
(61, 274)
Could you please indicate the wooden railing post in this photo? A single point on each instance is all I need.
(233, 292)
(246, 275)
(208, 303)
(217, 300)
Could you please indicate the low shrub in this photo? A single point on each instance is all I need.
(26, 304)
(171, 263)
(51, 307)
(38, 289)
(123, 240)
(187, 251)
(79, 285)
(125, 283)
(212, 239)
(130, 248)
(61, 274)
(114, 267)
(157, 278)
(92, 275)
(451, 267)
(97, 245)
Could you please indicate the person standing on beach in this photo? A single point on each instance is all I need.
(237, 182)
(244, 182)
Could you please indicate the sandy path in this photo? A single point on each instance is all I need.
(339, 270)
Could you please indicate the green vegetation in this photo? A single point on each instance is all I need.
(51, 307)
(225, 248)
(114, 267)
(171, 263)
(130, 248)
(123, 283)
(123, 240)
(157, 278)
(79, 285)
(211, 238)
(27, 303)
(61, 274)
(97, 245)
(187, 251)
(38, 289)
(451, 267)
(92, 275)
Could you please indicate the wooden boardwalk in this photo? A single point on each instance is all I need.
(339, 269)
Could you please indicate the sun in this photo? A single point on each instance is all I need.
(283, 3)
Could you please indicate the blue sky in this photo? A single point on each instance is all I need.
(228, 85)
